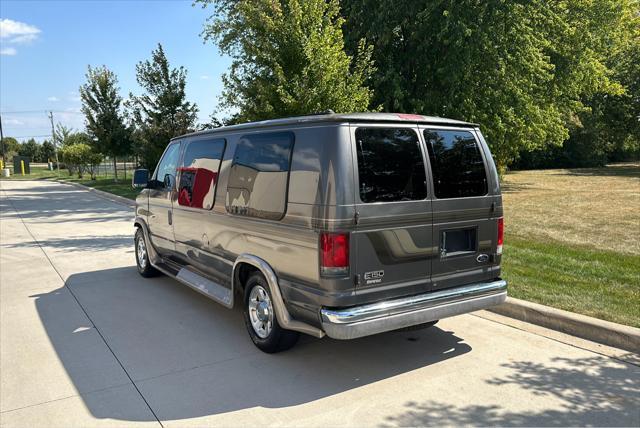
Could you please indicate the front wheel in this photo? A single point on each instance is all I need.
(260, 318)
(142, 256)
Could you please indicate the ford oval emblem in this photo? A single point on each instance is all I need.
(482, 258)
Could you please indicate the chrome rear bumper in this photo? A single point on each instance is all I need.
(365, 320)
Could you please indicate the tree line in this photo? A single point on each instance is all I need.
(140, 125)
(550, 83)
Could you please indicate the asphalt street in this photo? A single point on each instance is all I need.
(85, 341)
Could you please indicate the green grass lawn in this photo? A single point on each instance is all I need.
(601, 284)
(573, 240)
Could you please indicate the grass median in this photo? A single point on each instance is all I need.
(573, 240)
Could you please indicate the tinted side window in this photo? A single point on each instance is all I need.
(458, 168)
(169, 163)
(199, 173)
(390, 165)
(259, 174)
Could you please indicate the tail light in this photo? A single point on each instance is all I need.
(500, 235)
(334, 254)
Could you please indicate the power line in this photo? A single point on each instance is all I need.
(40, 111)
(32, 136)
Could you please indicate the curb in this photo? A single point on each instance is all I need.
(604, 332)
(105, 195)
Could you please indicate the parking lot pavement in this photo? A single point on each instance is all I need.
(86, 341)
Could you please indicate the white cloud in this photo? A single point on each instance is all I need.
(54, 99)
(14, 122)
(17, 32)
(8, 51)
(26, 38)
(204, 77)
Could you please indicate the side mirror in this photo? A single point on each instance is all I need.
(169, 181)
(140, 178)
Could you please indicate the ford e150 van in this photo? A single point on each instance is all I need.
(343, 225)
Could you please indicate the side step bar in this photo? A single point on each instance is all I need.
(222, 294)
(189, 277)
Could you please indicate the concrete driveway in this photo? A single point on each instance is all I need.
(85, 341)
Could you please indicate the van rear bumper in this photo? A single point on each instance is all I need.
(365, 320)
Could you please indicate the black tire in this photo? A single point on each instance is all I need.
(144, 265)
(277, 339)
(419, 326)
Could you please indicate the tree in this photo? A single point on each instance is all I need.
(74, 138)
(101, 106)
(610, 126)
(61, 133)
(47, 151)
(30, 149)
(520, 69)
(288, 58)
(10, 146)
(162, 111)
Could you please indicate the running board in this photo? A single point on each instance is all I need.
(211, 289)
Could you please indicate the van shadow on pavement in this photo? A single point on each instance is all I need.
(191, 357)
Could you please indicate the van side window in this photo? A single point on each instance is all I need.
(259, 175)
(390, 165)
(199, 173)
(166, 169)
(458, 168)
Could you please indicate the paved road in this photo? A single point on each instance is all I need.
(85, 341)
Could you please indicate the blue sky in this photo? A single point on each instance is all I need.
(47, 45)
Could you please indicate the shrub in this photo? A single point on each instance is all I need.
(80, 158)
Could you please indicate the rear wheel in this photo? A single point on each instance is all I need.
(142, 256)
(261, 320)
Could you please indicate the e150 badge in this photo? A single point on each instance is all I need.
(373, 277)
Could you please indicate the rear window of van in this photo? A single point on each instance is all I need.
(457, 165)
(390, 165)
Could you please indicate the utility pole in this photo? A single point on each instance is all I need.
(55, 144)
(4, 159)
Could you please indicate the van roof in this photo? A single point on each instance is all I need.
(338, 117)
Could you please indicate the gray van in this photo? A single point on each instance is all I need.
(343, 225)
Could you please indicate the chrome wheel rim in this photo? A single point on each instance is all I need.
(260, 311)
(141, 252)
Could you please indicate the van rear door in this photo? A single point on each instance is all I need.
(464, 224)
(393, 237)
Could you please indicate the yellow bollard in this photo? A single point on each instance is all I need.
(22, 167)
(1, 164)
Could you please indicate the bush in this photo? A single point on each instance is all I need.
(80, 158)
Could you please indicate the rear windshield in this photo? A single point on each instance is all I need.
(390, 165)
(456, 162)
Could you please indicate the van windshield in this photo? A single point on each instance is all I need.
(390, 165)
